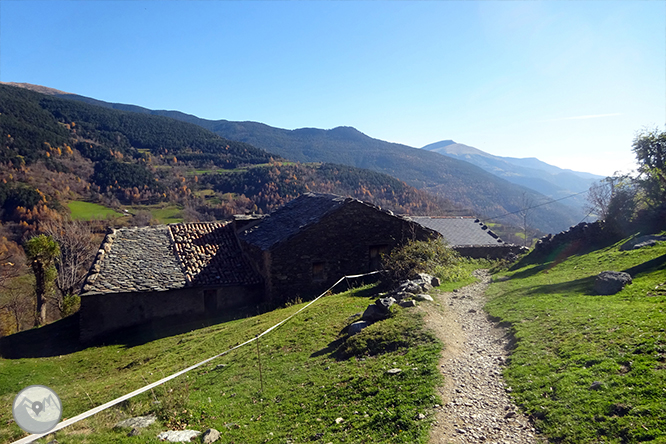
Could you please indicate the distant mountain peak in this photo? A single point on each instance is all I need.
(436, 145)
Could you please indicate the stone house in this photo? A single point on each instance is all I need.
(184, 270)
(203, 269)
(469, 236)
(305, 246)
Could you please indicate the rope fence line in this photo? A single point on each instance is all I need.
(61, 425)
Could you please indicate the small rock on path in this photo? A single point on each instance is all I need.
(476, 407)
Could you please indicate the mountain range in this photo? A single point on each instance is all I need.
(493, 187)
(552, 181)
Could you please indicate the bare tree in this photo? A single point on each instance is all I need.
(17, 302)
(601, 193)
(77, 250)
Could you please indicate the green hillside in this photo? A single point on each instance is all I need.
(588, 368)
(292, 385)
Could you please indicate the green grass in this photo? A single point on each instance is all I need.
(87, 211)
(567, 338)
(460, 274)
(163, 213)
(307, 380)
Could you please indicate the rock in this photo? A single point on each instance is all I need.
(394, 371)
(400, 295)
(138, 422)
(178, 435)
(410, 287)
(209, 436)
(407, 304)
(423, 297)
(356, 327)
(385, 303)
(611, 282)
(642, 242)
(436, 282)
(374, 313)
(596, 385)
(420, 416)
(424, 277)
(339, 420)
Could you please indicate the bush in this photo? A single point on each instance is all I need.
(432, 257)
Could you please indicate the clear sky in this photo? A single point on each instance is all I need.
(569, 82)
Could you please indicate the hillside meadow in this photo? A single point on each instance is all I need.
(588, 368)
(293, 384)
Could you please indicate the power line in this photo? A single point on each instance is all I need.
(536, 206)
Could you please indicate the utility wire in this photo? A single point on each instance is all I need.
(536, 206)
(91, 412)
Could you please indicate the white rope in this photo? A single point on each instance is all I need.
(91, 412)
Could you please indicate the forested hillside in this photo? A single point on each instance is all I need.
(464, 184)
(64, 159)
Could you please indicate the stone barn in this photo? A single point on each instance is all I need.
(305, 246)
(185, 270)
(469, 236)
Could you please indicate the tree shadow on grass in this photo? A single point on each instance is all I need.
(584, 286)
(650, 266)
(57, 338)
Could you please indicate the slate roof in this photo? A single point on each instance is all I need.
(169, 257)
(291, 218)
(460, 231)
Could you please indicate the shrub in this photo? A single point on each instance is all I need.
(432, 257)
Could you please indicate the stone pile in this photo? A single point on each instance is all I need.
(405, 295)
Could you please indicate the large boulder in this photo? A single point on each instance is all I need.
(611, 282)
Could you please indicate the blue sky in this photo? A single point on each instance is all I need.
(569, 82)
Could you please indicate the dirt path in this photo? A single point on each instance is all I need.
(476, 406)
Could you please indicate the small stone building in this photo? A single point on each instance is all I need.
(143, 274)
(309, 243)
(469, 236)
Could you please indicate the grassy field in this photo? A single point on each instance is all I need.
(309, 375)
(589, 368)
(163, 213)
(86, 211)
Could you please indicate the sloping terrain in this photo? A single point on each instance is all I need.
(588, 368)
(466, 185)
(307, 381)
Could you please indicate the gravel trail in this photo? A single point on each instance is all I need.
(477, 408)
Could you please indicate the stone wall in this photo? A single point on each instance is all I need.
(103, 313)
(490, 251)
(576, 238)
(339, 244)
